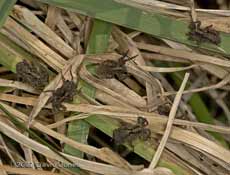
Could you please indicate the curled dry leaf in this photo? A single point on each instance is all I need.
(153, 88)
(105, 86)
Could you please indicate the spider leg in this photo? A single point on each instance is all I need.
(71, 74)
(130, 58)
(122, 60)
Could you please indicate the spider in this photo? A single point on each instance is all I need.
(114, 69)
(32, 73)
(128, 132)
(207, 34)
(65, 93)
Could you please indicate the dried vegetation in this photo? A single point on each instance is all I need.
(70, 95)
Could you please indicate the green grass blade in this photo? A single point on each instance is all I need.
(203, 115)
(5, 9)
(99, 39)
(79, 130)
(148, 22)
(11, 54)
(200, 109)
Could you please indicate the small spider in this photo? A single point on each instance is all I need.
(65, 93)
(200, 35)
(32, 73)
(114, 69)
(164, 108)
(128, 132)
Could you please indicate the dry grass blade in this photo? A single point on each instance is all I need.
(157, 171)
(200, 143)
(222, 83)
(126, 92)
(69, 119)
(164, 69)
(108, 99)
(51, 20)
(218, 71)
(182, 54)
(138, 72)
(148, 4)
(169, 124)
(18, 85)
(24, 140)
(20, 170)
(193, 11)
(27, 18)
(35, 45)
(104, 154)
(2, 171)
(63, 27)
(8, 152)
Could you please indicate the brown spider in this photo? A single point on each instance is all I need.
(201, 35)
(32, 73)
(114, 69)
(65, 93)
(128, 132)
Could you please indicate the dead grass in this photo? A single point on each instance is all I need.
(189, 130)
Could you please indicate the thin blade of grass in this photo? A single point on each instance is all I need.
(172, 114)
(5, 9)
